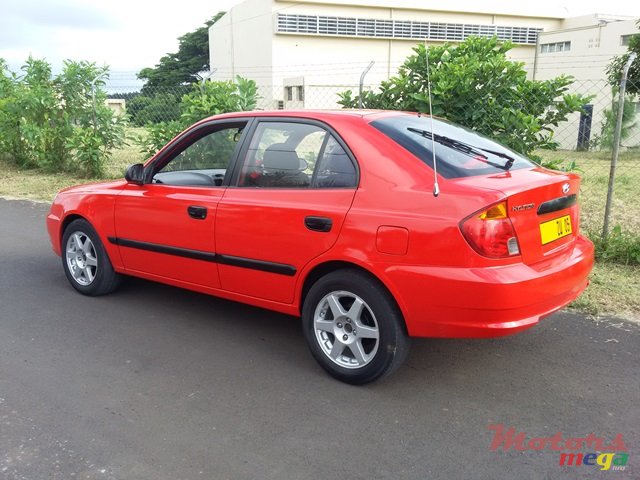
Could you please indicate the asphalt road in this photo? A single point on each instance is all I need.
(157, 383)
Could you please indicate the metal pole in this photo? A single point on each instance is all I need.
(207, 77)
(616, 146)
(364, 73)
(93, 97)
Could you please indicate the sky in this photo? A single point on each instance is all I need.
(129, 35)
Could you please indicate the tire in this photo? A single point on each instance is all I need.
(85, 260)
(353, 327)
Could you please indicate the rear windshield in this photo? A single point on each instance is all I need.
(460, 152)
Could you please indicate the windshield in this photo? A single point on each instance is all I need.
(460, 152)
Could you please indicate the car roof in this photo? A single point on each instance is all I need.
(367, 115)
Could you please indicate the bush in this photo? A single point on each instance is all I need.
(204, 100)
(605, 140)
(48, 122)
(474, 84)
(161, 107)
(620, 247)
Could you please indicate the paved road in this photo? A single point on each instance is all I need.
(158, 383)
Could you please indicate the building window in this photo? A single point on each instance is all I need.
(624, 40)
(289, 93)
(555, 47)
(300, 90)
(377, 28)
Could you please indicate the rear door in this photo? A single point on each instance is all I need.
(293, 188)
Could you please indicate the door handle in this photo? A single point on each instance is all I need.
(199, 213)
(318, 224)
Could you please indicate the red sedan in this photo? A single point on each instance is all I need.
(332, 216)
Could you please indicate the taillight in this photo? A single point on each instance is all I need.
(491, 233)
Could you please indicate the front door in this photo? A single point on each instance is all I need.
(291, 194)
(165, 228)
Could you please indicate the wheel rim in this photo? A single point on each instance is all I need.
(346, 329)
(81, 258)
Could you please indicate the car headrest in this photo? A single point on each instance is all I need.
(280, 157)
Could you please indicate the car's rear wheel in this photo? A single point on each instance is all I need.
(85, 260)
(353, 327)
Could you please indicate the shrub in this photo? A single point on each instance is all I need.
(204, 100)
(47, 121)
(476, 85)
(620, 247)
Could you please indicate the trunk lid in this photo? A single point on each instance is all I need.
(542, 206)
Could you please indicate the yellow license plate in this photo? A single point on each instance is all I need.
(555, 229)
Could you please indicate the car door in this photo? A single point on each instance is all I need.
(165, 228)
(294, 184)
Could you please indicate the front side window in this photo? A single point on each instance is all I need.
(204, 162)
(295, 155)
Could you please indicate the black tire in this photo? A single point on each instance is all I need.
(322, 328)
(86, 278)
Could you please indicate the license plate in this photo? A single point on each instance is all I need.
(555, 229)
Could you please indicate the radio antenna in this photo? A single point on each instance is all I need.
(436, 187)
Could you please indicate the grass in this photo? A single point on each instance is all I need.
(614, 289)
(41, 185)
(594, 167)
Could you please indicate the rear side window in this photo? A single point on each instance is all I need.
(295, 155)
(460, 152)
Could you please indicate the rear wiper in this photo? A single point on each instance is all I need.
(467, 149)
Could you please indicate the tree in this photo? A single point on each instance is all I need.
(203, 100)
(52, 122)
(606, 138)
(476, 85)
(615, 68)
(183, 67)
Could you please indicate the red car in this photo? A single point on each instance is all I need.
(332, 216)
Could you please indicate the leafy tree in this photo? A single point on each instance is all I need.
(50, 121)
(606, 137)
(183, 66)
(615, 68)
(204, 100)
(476, 85)
(161, 107)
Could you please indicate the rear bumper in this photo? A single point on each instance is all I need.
(492, 301)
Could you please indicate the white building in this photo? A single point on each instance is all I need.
(302, 53)
(583, 47)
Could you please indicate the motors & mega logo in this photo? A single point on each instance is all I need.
(589, 451)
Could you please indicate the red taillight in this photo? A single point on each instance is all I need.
(491, 233)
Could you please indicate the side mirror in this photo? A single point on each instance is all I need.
(135, 174)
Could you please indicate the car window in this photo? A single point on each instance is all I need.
(204, 162)
(335, 169)
(295, 155)
(282, 155)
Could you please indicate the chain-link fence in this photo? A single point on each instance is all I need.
(584, 141)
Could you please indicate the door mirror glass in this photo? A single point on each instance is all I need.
(135, 174)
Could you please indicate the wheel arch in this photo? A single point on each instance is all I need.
(67, 220)
(324, 268)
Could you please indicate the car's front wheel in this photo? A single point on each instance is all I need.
(353, 327)
(85, 260)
